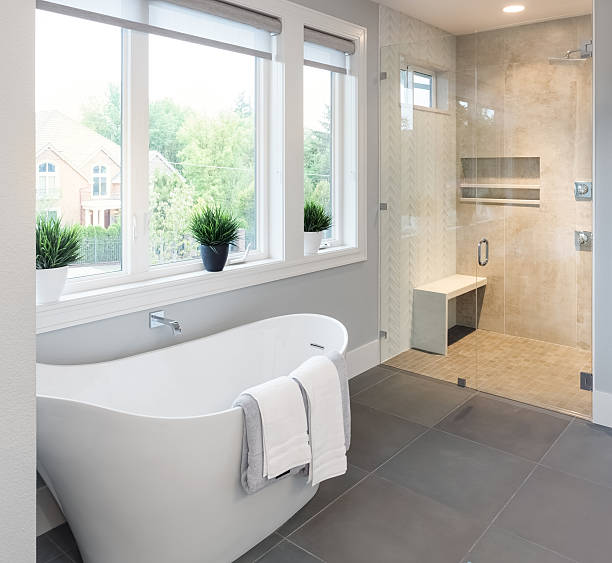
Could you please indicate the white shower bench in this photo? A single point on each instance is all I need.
(430, 310)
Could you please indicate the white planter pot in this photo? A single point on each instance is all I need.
(312, 242)
(50, 284)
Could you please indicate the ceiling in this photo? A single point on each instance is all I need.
(466, 16)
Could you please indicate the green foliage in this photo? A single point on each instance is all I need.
(56, 245)
(104, 115)
(172, 200)
(317, 162)
(166, 118)
(213, 225)
(316, 218)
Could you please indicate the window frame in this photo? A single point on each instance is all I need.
(279, 169)
(99, 176)
(432, 91)
(46, 175)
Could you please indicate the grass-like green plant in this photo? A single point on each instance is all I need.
(57, 245)
(213, 225)
(316, 218)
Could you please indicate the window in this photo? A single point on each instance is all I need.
(46, 180)
(318, 147)
(181, 107)
(99, 181)
(423, 89)
(202, 143)
(78, 117)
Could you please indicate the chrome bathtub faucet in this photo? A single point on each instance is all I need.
(158, 318)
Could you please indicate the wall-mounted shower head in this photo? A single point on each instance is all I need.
(586, 52)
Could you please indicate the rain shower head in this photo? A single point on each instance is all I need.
(585, 51)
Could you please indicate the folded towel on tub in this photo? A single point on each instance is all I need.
(252, 465)
(318, 378)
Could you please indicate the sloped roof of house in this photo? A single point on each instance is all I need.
(71, 140)
(77, 144)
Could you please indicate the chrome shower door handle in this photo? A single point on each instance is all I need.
(482, 262)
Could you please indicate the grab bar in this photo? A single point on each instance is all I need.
(482, 262)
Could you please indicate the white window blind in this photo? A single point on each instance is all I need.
(327, 51)
(209, 22)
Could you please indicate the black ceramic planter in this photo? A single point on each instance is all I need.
(214, 257)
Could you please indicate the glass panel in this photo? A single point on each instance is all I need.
(426, 287)
(318, 102)
(78, 126)
(201, 142)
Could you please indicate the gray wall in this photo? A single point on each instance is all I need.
(602, 298)
(349, 293)
(17, 405)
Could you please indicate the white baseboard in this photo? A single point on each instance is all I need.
(602, 408)
(363, 358)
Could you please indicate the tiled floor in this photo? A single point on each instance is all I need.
(440, 474)
(526, 370)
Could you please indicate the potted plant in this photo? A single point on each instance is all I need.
(316, 220)
(215, 229)
(57, 246)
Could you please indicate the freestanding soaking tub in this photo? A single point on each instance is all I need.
(143, 453)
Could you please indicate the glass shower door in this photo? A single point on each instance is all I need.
(532, 156)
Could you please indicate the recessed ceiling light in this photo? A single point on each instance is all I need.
(514, 8)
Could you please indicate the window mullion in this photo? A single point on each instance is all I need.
(136, 151)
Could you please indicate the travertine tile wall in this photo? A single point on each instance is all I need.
(518, 104)
(418, 176)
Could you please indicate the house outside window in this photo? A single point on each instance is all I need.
(99, 182)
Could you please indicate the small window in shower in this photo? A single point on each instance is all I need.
(424, 89)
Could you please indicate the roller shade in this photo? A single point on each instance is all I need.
(208, 22)
(327, 51)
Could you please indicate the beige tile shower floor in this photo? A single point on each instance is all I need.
(526, 370)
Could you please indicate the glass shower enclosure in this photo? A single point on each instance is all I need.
(486, 219)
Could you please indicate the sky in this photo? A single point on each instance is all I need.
(77, 59)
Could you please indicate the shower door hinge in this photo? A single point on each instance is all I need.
(383, 76)
(586, 381)
(383, 207)
(382, 334)
(461, 382)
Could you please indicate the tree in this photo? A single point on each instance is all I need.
(166, 118)
(317, 162)
(104, 115)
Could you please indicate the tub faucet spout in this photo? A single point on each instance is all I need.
(158, 318)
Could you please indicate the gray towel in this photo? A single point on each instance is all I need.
(251, 469)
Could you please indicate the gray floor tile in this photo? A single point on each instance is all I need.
(286, 552)
(563, 513)
(378, 521)
(62, 536)
(376, 436)
(262, 547)
(498, 546)
(46, 550)
(369, 378)
(416, 399)
(508, 426)
(469, 477)
(328, 491)
(584, 450)
(75, 556)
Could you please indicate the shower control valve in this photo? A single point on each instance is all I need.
(584, 240)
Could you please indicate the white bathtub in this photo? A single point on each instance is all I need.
(143, 453)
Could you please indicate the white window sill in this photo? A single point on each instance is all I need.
(432, 110)
(94, 305)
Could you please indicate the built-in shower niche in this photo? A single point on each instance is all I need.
(500, 180)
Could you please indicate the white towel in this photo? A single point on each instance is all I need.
(319, 379)
(284, 425)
